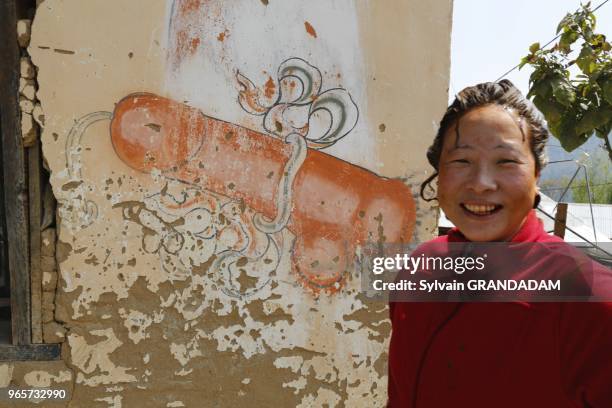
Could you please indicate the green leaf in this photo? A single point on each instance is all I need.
(587, 32)
(566, 133)
(567, 39)
(592, 19)
(552, 111)
(564, 22)
(604, 131)
(598, 40)
(607, 90)
(524, 60)
(593, 119)
(534, 47)
(563, 91)
(571, 141)
(540, 85)
(586, 59)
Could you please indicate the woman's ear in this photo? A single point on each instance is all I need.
(537, 199)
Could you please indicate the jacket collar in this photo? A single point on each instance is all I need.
(532, 230)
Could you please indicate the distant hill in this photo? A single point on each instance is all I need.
(555, 176)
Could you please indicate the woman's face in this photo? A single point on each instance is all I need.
(487, 180)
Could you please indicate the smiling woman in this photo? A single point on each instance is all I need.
(487, 180)
(488, 154)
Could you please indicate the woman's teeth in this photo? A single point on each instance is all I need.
(480, 209)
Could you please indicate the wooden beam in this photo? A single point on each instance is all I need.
(4, 268)
(4, 271)
(14, 172)
(560, 220)
(30, 352)
(35, 195)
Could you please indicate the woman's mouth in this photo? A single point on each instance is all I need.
(481, 210)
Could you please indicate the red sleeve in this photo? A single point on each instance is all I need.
(585, 340)
(392, 395)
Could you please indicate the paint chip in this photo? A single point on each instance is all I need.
(382, 127)
(270, 88)
(153, 126)
(310, 29)
(61, 51)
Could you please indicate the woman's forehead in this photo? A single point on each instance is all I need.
(490, 125)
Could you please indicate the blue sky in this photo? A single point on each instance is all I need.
(490, 36)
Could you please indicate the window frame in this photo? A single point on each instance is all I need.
(22, 204)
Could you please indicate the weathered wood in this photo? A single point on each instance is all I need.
(35, 194)
(14, 171)
(4, 271)
(560, 220)
(29, 352)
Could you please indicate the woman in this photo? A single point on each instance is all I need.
(488, 154)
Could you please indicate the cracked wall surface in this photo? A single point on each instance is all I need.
(218, 167)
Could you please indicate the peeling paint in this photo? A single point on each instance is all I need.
(6, 374)
(310, 29)
(166, 292)
(323, 397)
(92, 358)
(43, 379)
(137, 323)
(113, 401)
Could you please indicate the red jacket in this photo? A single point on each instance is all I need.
(511, 354)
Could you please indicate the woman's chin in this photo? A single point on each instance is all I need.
(479, 236)
(481, 231)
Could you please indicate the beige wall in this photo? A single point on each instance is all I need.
(168, 292)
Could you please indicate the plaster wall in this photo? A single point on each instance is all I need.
(218, 166)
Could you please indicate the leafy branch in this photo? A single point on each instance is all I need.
(576, 106)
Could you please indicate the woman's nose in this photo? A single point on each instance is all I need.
(482, 179)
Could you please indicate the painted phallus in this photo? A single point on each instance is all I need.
(280, 180)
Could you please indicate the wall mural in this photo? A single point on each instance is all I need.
(243, 187)
(220, 166)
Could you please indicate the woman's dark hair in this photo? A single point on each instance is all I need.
(502, 93)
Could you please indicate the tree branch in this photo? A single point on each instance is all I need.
(608, 147)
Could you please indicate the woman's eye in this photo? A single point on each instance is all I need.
(462, 161)
(506, 161)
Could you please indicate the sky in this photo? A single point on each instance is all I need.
(490, 36)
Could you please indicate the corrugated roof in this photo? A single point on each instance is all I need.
(602, 213)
